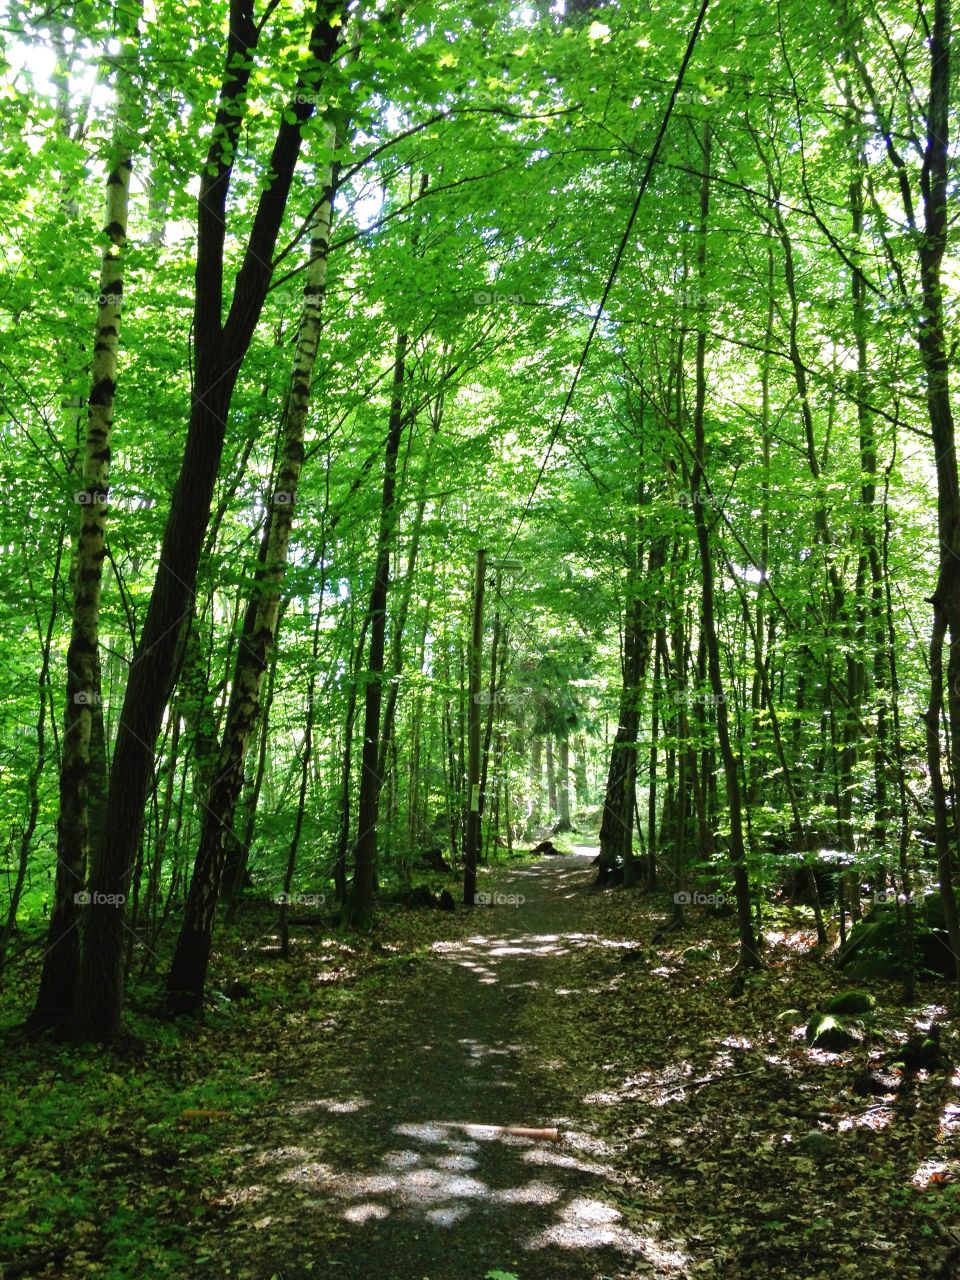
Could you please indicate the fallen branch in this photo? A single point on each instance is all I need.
(517, 1131)
(695, 1084)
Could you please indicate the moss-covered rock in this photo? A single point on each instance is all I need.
(875, 946)
(827, 1031)
(851, 1002)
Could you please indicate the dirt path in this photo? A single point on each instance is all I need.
(385, 1172)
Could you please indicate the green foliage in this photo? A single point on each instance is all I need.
(487, 163)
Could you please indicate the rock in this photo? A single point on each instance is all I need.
(921, 1052)
(874, 1084)
(873, 968)
(827, 1031)
(700, 953)
(797, 878)
(851, 1002)
(873, 948)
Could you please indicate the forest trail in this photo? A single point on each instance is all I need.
(417, 1192)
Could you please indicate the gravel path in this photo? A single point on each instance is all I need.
(421, 1187)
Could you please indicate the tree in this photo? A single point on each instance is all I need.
(219, 349)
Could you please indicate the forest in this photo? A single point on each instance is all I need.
(480, 589)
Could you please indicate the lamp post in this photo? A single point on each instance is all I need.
(474, 799)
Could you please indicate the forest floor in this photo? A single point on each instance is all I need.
(339, 1120)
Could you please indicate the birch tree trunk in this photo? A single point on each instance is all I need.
(219, 350)
(82, 716)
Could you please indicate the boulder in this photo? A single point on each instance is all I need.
(827, 1031)
(873, 947)
(851, 1002)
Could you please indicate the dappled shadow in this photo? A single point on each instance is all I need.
(409, 1158)
(697, 1135)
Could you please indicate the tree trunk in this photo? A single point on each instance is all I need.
(188, 969)
(219, 350)
(535, 816)
(563, 785)
(497, 669)
(471, 844)
(616, 827)
(29, 826)
(343, 833)
(79, 757)
(294, 846)
(933, 350)
(365, 851)
(581, 785)
(749, 954)
(551, 779)
(653, 835)
(396, 665)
